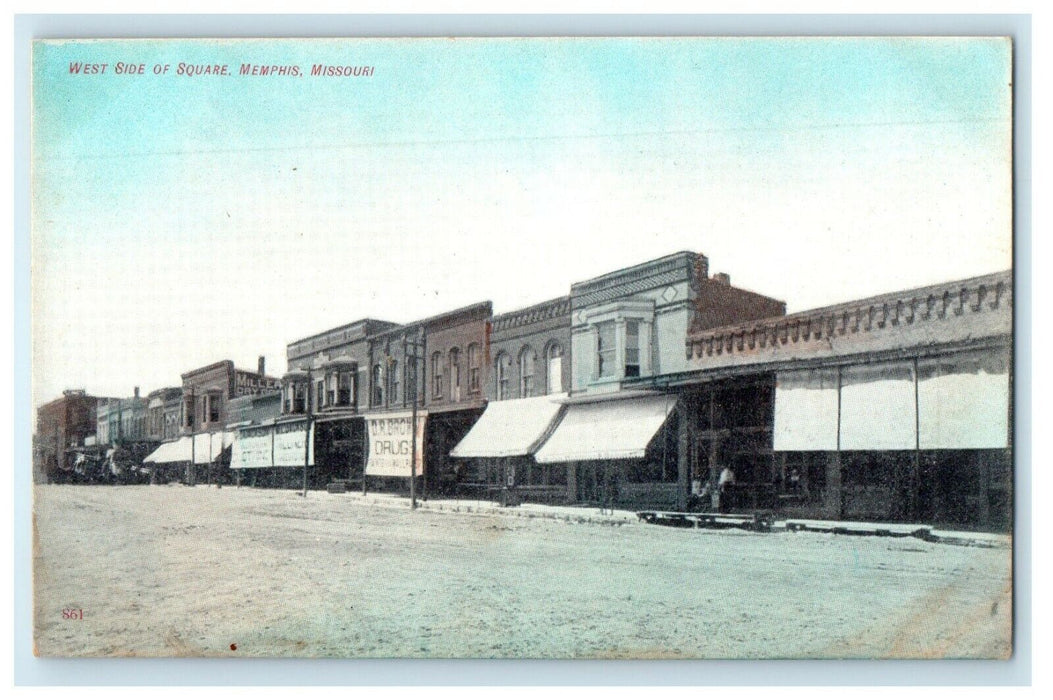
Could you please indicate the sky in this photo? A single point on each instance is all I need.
(181, 220)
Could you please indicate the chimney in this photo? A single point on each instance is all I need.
(261, 365)
(722, 278)
(136, 392)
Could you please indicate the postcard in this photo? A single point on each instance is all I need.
(523, 348)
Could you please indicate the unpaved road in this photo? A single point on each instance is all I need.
(175, 571)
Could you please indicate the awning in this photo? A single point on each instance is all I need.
(169, 452)
(510, 428)
(617, 429)
(208, 446)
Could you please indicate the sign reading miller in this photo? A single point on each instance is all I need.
(390, 444)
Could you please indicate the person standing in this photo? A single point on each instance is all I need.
(724, 484)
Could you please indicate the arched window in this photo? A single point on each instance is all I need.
(504, 362)
(473, 368)
(526, 372)
(455, 374)
(436, 375)
(554, 358)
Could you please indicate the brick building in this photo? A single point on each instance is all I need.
(62, 424)
(895, 407)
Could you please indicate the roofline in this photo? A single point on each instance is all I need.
(994, 277)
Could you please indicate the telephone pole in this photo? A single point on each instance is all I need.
(413, 350)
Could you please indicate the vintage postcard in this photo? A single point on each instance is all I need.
(558, 348)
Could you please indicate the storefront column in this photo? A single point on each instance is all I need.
(833, 497)
(572, 482)
(683, 453)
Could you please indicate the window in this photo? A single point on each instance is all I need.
(393, 380)
(526, 372)
(503, 363)
(473, 368)
(319, 394)
(213, 408)
(555, 368)
(188, 412)
(632, 348)
(605, 349)
(455, 375)
(378, 385)
(344, 387)
(436, 375)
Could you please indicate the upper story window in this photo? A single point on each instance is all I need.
(473, 368)
(188, 411)
(455, 375)
(503, 364)
(393, 380)
(632, 348)
(319, 394)
(436, 375)
(526, 372)
(377, 399)
(555, 368)
(605, 349)
(294, 396)
(212, 402)
(339, 387)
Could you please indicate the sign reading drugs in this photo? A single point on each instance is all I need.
(289, 444)
(391, 444)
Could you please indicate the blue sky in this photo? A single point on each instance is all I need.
(178, 221)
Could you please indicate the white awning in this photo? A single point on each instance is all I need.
(510, 428)
(619, 429)
(169, 452)
(208, 446)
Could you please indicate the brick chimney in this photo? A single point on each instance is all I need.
(261, 365)
(723, 278)
(136, 392)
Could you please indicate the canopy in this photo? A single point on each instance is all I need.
(510, 428)
(615, 429)
(208, 446)
(168, 452)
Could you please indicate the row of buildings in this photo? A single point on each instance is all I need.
(636, 389)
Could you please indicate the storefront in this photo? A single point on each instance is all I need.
(894, 408)
(394, 453)
(619, 450)
(275, 455)
(497, 453)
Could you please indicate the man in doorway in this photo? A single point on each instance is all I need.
(724, 484)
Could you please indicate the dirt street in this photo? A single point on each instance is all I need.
(173, 571)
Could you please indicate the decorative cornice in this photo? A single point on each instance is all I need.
(679, 267)
(913, 307)
(547, 310)
(348, 333)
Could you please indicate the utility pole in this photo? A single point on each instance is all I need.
(307, 433)
(193, 441)
(417, 347)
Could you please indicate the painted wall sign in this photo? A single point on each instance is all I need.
(391, 443)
